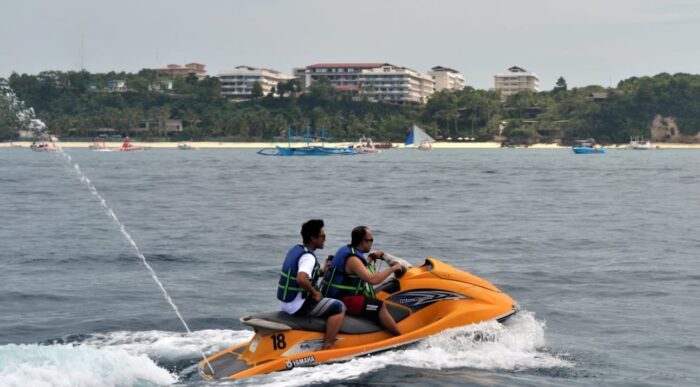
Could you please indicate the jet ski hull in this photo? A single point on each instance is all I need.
(425, 301)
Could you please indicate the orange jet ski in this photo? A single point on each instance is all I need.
(424, 301)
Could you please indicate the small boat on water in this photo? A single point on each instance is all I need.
(185, 146)
(425, 145)
(366, 146)
(587, 146)
(383, 145)
(307, 150)
(100, 147)
(638, 143)
(127, 146)
(44, 146)
(418, 138)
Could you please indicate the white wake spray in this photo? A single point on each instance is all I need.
(516, 346)
(171, 346)
(82, 365)
(28, 114)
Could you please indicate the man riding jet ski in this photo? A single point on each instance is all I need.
(425, 300)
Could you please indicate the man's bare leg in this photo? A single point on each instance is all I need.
(388, 322)
(332, 327)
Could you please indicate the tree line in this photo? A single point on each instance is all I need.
(78, 104)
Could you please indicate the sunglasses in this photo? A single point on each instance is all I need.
(369, 240)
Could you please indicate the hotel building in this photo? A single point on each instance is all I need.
(183, 71)
(394, 84)
(342, 76)
(375, 81)
(238, 83)
(515, 80)
(446, 78)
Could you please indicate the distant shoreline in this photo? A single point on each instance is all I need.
(260, 145)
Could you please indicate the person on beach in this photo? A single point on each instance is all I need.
(350, 278)
(300, 271)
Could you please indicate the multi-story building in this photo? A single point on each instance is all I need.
(116, 86)
(375, 81)
(515, 80)
(342, 76)
(161, 85)
(183, 71)
(446, 78)
(395, 84)
(238, 83)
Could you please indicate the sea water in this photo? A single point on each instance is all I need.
(599, 250)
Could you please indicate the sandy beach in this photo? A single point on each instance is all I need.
(260, 145)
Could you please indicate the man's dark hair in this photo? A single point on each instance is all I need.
(358, 235)
(312, 228)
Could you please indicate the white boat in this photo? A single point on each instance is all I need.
(100, 147)
(638, 143)
(365, 146)
(44, 146)
(419, 139)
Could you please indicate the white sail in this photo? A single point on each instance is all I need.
(417, 136)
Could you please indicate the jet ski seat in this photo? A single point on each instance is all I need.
(281, 321)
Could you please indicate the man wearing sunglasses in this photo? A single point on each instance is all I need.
(350, 278)
(300, 271)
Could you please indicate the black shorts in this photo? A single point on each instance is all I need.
(324, 308)
(364, 307)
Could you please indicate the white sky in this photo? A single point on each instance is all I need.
(586, 41)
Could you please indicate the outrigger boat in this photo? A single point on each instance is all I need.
(424, 301)
(307, 150)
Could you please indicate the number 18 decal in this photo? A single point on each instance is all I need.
(278, 341)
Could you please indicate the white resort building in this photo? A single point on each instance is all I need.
(515, 80)
(446, 78)
(237, 84)
(342, 76)
(394, 84)
(375, 81)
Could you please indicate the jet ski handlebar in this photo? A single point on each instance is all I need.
(391, 260)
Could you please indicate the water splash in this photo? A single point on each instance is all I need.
(82, 365)
(25, 114)
(168, 346)
(84, 179)
(516, 346)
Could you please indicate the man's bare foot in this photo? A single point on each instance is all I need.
(328, 345)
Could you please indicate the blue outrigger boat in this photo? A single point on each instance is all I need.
(307, 150)
(587, 146)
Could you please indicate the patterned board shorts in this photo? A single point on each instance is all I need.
(323, 309)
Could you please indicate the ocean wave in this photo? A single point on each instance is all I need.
(169, 346)
(82, 365)
(516, 346)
